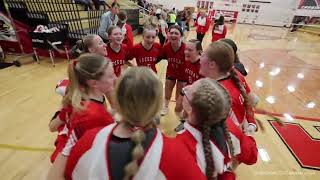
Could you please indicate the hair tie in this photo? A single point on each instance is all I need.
(136, 128)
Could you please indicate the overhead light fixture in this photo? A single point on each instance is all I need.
(261, 65)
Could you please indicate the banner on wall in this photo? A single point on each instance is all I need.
(309, 4)
(208, 4)
(231, 16)
(7, 32)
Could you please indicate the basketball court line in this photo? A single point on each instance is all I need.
(317, 128)
(293, 116)
(25, 148)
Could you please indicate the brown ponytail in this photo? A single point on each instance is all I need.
(247, 103)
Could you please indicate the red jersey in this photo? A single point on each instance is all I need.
(157, 162)
(243, 80)
(219, 32)
(146, 57)
(192, 140)
(128, 40)
(192, 72)
(176, 61)
(94, 115)
(245, 147)
(63, 130)
(238, 111)
(118, 58)
(202, 24)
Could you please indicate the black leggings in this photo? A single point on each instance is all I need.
(200, 37)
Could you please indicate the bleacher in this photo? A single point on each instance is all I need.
(79, 21)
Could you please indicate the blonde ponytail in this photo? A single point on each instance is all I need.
(88, 66)
(138, 96)
(74, 96)
(137, 154)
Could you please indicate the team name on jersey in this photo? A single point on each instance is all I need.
(147, 59)
(174, 60)
(191, 73)
(118, 62)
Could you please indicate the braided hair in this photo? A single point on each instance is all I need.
(139, 95)
(211, 104)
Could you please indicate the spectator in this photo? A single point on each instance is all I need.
(87, 3)
(126, 29)
(100, 4)
(202, 23)
(194, 17)
(172, 18)
(107, 20)
(163, 29)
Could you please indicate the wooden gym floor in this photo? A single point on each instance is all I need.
(273, 57)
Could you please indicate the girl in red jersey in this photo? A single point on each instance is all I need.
(219, 30)
(217, 63)
(237, 63)
(239, 67)
(173, 52)
(208, 104)
(117, 52)
(203, 24)
(89, 44)
(134, 148)
(126, 29)
(147, 52)
(192, 55)
(91, 76)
